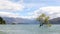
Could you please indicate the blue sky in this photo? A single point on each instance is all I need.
(29, 8)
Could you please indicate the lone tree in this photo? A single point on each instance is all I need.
(43, 19)
(2, 21)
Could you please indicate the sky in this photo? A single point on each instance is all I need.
(29, 8)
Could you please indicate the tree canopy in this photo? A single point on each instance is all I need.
(2, 21)
(43, 18)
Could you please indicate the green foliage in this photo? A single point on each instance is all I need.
(44, 19)
(41, 17)
(2, 21)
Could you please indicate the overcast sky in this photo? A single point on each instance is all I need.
(29, 8)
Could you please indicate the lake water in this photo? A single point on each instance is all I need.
(29, 29)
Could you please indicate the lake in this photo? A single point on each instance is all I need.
(29, 29)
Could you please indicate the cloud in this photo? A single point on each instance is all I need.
(14, 15)
(7, 8)
(8, 5)
(9, 14)
(31, 15)
(52, 11)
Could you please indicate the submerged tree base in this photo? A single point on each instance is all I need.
(48, 25)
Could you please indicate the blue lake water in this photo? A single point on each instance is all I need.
(29, 29)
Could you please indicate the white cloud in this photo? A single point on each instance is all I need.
(14, 15)
(31, 15)
(52, 11)
(8, 5)
(8, 14)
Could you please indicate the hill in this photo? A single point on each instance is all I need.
(10, 20)
(55, 20)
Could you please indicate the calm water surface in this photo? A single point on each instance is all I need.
(29, 29)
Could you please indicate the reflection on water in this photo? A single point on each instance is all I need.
(2, 32)
(29, 29)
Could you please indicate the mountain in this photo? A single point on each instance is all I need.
(10, 20)
(55, 21)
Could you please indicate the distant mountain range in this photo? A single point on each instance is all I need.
(10, 20)
(55, 21)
